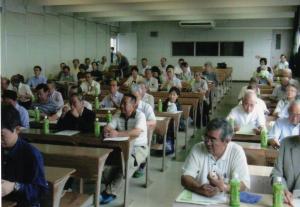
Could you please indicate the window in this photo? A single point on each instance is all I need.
(231, 48)
(207, 48)
(182, 48)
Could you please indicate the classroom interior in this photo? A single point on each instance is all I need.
(237, 33)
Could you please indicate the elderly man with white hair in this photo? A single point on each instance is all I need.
(146, 97)
(285, 127)
(248, 113)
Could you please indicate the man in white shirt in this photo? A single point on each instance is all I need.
(254, 86)
(143, 106)
(248, 113)
(130, 123)
(163, 65)
(145, 66)
(114, 98)
(213, 163)
(150, 82)
(25, 96)
(279, 92)
(177, 69)
(146, 97)
(171, 80)
(285, 127)
(283, 63)
(55, 96)
(89, 86)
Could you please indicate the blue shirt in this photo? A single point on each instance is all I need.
(107, 102)
(283, 128)
(24, 164)
(34, 81)
(48, 108)
(24, 116)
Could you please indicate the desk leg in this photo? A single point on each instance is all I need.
(164, 153)
(186, 133)
(126, 184)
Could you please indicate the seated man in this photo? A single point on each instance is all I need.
(150, 82)
(171, 80)
(55, 96)
(114, 98)
(282, 106)
(287, 167)
(10, 98)
(146, 97)
(67, 106)
(285, 127)
(209, 74)
(279, 92)
(25, 96)
(37, 78)
(23, 177)
(5, 84)
(130, 123)
(254, 86)
(145, 66)
(78, 118)
(216, 154)
(135, 78)
(66, 76)
(89, 86)
(248, 113)
(45, 104)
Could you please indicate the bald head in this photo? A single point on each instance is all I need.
(249, 101)
(286, 73)
(294, 112)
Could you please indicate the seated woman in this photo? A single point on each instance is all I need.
(135, 78)
(282, 106)
(78, 118)
(263, 73)
(171, 80)
(200, 85)
(171, 104)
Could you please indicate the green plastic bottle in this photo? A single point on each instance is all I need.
(231, 122)
(264, 138)
(97, 128)
(46, 125)
(97, 103)
(37, 115)
(96, 91)
(108, 117)
(159, 105)
(235, 191)
(278, 192)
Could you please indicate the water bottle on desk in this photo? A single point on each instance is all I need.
(46, 125)
(37, 115)
(97, 128)
(235, 191)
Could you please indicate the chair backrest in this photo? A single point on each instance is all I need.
(162, 126)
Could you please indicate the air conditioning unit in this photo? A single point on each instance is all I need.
(198, 24)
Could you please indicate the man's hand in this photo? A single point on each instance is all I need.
(217, 182)
(208, 190)
(274, 143)
(110, 132)
(237, 128)
(7, 187)
(257, 131)
(288, 198)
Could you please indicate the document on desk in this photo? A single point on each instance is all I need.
(67, 132)
(246, 130)
(296, 202)
(189, 197)
(116, 139)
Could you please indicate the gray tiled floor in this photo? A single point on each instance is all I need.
(166, 186)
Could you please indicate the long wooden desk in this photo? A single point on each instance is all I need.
(86, 140)
(266, 201)
(257, 155)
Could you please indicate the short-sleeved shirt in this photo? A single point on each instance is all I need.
(130, 81)
(23, 90)
(200, 85)
(152, 84)
(24, 116)
(90, 88)
(149, 99)
(279, 92)
(57, 98)
(48, 108)
(283, 128)
(174, 82)
(34, 81)
(243, 91)
(255, 118)
(136, 120)
(147, 110)
(117, 98)
(200, 162)
(282, 108)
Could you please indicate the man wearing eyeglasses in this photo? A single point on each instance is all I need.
(285, 127)
(212, 163)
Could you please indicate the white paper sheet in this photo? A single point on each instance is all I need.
(116, 139)
(108, 109)
(189, 197)
(67, 132)
(246, 130)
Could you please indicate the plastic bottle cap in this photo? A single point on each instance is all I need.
(36, 107)
(108, 111)
(97, 119)
(235, 176)
(46, 117)
(278, 179)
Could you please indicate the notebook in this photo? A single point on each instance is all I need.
(116, 139)
(67, 132)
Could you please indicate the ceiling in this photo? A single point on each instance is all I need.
(173, 10)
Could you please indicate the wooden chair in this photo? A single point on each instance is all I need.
(147, 161)
(186, 114)
(161, 129)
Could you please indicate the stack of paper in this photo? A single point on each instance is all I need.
(189, 197)
(67, 132)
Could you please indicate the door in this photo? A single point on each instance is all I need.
(127, 45)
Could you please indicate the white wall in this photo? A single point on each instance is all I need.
(31, 37)
(256, 42)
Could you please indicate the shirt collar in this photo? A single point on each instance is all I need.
(131, 116)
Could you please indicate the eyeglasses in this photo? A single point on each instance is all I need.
(207, 138)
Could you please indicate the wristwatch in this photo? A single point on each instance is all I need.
(17, 187)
